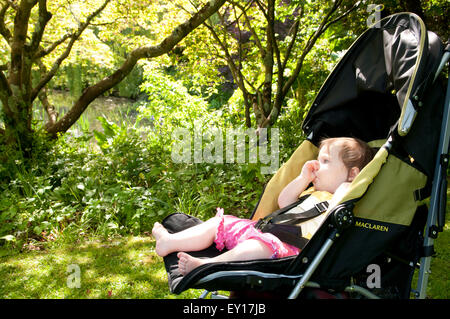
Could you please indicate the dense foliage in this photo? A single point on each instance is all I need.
(120, 178)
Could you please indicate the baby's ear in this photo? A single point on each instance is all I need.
(352, 173)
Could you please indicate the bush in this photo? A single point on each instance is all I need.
(114, 182)
(121, 179)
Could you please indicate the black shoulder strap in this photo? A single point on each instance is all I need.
(263, 221)
(295, 218)
(283, 225)
(292, 218)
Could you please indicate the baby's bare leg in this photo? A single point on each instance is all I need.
(195, 238)
(248, 250)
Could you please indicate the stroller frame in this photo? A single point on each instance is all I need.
(338, 221)
(436, 216)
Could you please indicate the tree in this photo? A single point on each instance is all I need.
(265, 43)
(434, 13)
(23, 26)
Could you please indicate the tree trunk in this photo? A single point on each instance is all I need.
(18, 130)
(16, 91)
(15, 88)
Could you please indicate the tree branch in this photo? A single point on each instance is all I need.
(237, 74)
(252, 30)
(44, 17)
(291, 43)
(271, 38)
(17, 42)
(92, 92)
(3, 29)
(13, 4)
(46, 78)
(43, 52)
(4, 86)
(235, 71)
(243, 9)
(242, 79)
(354, 7)
(268, 59)
(262, 8)
(49, 108)
(310, 43)
(5, 93)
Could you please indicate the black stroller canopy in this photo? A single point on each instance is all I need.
(378, 85)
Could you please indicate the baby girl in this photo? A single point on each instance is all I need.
(338, 163)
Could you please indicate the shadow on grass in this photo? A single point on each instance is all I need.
(123, 268)
(129, 268)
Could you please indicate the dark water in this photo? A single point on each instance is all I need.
(115, 109)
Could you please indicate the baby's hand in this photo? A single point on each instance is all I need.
(309, 170)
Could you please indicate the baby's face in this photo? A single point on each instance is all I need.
(332, 171)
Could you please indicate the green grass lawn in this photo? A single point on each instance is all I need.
(122, 268)
(128, 267)
(439, 280)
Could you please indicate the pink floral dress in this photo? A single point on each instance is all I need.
(233, 230)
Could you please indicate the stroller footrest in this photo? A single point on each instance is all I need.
(255, 282)
(249, 279)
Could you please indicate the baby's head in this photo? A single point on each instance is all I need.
(340, 160)
(352, 151)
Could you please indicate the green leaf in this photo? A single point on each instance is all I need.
(112, 225)
(37, 230)
(8, 238)
(109, 128)
(100, 137)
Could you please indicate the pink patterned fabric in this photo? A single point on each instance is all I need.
(233, 230)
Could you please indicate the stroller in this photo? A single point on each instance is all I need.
(387, 91)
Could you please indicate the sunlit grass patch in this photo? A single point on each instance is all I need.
(122, 268)
(128, 268)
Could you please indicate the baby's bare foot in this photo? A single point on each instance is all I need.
(158, 230)
(162, 237)
(187, 263)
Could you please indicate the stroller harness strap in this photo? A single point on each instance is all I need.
(283, 224)
(295, 218)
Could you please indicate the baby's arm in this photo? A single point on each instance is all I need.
(290, 193)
